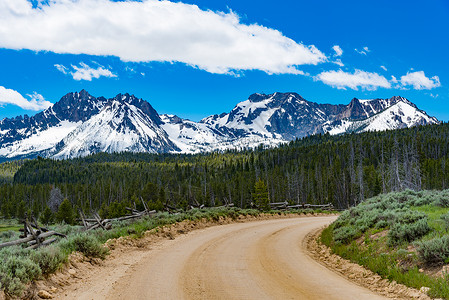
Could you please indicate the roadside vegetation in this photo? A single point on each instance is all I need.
(21, 266)
(402, 236)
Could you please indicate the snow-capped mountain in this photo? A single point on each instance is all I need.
(287, 116)
(189, 136)
(37, 135)
(193, 137)
(394, 113)
(124, 124)
(80, 124)
(282, 116)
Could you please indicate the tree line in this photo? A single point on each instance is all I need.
(342, 170)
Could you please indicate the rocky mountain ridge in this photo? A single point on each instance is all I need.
(80, 124)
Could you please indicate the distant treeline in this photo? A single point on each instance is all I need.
(342, 170)
(8, 169)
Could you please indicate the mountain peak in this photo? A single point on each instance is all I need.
(356, 110)
(354, 101)
(79, 124)
(84, 94)
(257, 97)
(277, 97)
(397, 99)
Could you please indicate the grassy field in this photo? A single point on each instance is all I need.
(9, 225)
(401, 236)
(9, 228)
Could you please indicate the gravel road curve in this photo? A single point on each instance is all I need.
(255, 260)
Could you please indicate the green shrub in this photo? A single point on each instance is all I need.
(422, 198)
(445, 220)
(233, 214)
(327, 236)
(15, 272)
(84, 243)
(49, 259)
(342, 220)
(367, 220)
(346, 234)
(7, 235)
(66, 229)
(400, 233)
(434, 251)
(381, 224)
(441, 198)
(410, 216)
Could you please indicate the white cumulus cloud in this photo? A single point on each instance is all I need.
(152, 30)
(61, 68)
(365, 50)
(85, 72)
(339, 62)
(384, 68)
(358, 79)
(419, 81)
(35, 102)
(338, 50)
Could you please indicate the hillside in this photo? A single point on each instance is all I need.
(410, 232)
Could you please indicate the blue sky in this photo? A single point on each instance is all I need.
(197, 58)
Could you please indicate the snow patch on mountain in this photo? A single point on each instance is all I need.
(38, 142)
(189, 136)
(400, 115)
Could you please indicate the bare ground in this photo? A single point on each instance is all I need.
(272, 258)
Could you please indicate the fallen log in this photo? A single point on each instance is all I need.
(278, 203)
(226, 205)
(93, 227)
(132, 210)
(44, 243)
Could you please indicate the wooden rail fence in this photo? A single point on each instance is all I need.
(34, 235)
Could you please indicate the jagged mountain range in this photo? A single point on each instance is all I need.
(80, 124)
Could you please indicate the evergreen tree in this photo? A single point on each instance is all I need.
(65, 213)
(162, 199)
(47, 216)
(21, 210)
(260, 195)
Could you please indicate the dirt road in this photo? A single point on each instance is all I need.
(255, 260)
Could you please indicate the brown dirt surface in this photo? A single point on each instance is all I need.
(267, 258)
